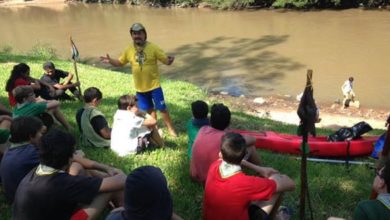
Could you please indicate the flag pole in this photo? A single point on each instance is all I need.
(75, 54)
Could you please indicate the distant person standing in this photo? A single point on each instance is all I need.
(347, 89)
(143, 56)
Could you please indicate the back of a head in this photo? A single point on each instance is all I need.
(220, 116)
(57, 147)
(91, 93)
(350, 79)
(126, 100)
(23, 128)
(386, 175)
(147, 195)
(233, 148)
(48, 65)
(22, 92)
(199, 109)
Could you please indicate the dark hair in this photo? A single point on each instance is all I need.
(385, 175)
(19, 70)
(126, 100)
(350, 79)
(57, 148)
(199, 109)
(233, 148)
(48, 65)
(92, 93)
(22, 92)
(147, 195)
(220, 116)
(23, 128)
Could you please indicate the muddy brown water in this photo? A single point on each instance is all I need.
(256, 53)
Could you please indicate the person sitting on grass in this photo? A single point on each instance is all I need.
(146, 197)
(5, 124)
(23, 155)
(199, 109)
(231, 194)
(20, 76)
(4, 110)
(92, 124)
(207, 144)
(53, 76)
(28, 106)
(49, 192)
(378, 209)
(132, 128)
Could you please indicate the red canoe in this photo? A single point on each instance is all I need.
(319, 146)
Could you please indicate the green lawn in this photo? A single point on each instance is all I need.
(334, 189)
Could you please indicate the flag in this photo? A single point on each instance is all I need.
(74, 51)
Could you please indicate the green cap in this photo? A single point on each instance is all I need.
(137, 27)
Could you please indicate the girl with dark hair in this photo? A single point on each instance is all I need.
(20, 76)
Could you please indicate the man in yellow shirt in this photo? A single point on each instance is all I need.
(143, 56)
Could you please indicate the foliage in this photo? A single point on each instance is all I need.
(335, 190)
(43, 51)
(6, 49)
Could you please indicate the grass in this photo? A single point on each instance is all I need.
(334, 189)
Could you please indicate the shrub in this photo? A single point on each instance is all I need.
(43, 51)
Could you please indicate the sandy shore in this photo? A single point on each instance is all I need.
(284, 109)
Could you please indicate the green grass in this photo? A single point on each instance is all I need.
(334, 189)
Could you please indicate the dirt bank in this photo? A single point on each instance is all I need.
(284, 109)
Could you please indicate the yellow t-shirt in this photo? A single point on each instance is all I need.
(144, 65)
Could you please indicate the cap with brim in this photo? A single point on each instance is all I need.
(137, 27)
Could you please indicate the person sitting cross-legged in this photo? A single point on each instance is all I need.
(207, 143)
(132, 128)
(52, 77)
(378, 209)
(146, 197)
(230, 194)
(48, 192)
(92, 124)
(28, 106)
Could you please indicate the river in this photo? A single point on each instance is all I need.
(256, 53)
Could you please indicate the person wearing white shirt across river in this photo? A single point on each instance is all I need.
(347, 90)
(132, 130)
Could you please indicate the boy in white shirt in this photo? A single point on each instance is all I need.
(132, 129)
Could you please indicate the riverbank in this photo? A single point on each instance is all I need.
(284, 108)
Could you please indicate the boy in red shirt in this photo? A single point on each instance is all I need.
(231, 194)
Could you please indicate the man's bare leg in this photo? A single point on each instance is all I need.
(271, 206)
(168, 122)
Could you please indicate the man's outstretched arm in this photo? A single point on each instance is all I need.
(108, 59)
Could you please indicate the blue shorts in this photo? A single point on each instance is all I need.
(152, 99)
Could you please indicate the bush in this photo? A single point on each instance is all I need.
(43, 51)
(6, 49)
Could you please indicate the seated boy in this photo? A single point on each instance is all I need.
(207, 144)
(378, 209)
(23, 155)
(231, 194)
(132, 128)
(146, 196)
(53, 76)
(48, 192)
(200, 109)
(92, 124)
(27, 106)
